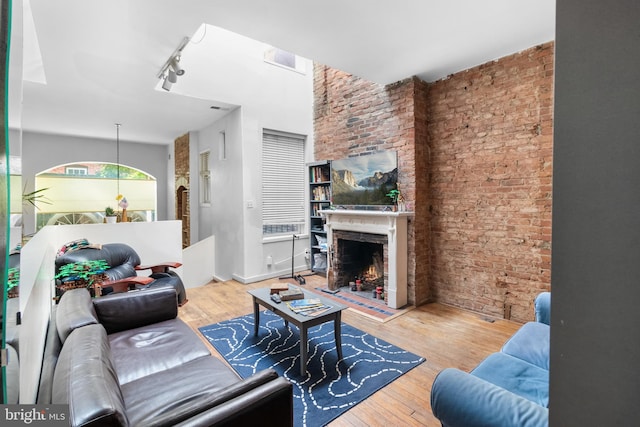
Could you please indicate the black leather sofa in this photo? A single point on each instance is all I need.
(124, 263)
(125, 359)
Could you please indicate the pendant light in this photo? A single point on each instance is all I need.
(118, 156)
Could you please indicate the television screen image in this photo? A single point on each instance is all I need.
(365, 180)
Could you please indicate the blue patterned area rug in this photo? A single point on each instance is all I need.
(329, 388)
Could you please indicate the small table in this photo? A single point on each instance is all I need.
(262, 297)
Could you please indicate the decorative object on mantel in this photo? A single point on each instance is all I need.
(400, 202)
(395, 197)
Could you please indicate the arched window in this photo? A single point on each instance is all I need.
(79, 193)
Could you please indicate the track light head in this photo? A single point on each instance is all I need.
(172, 76)
(166, 85)
(174, 64)
(171, 68)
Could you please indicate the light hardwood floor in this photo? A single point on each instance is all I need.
(444, 335)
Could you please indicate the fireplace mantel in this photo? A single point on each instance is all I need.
(391, 224)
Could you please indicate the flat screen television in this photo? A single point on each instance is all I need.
(364, 181)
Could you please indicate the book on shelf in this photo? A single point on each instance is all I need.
(321, 193)
(319, 174)
(317, 208)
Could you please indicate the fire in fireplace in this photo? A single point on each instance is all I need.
(360, 256)
(386, 228)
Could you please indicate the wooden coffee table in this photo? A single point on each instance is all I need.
(262, 297)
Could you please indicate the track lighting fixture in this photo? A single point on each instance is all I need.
(166, 84)
(175, 65)
(172, 76)
(171, 68)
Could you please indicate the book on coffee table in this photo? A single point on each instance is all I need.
(317, 311)
(292, 293)
(302, 304)
(276, 288)
(308, 306)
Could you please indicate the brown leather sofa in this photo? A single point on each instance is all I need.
(127, 360)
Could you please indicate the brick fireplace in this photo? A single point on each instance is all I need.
(360, 256)
(364, 242)
(475, 155)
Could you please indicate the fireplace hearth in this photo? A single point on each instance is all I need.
(359, 261)
(369, 245)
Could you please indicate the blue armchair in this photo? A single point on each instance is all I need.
(508, 388)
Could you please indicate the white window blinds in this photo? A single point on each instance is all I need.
(283, 186)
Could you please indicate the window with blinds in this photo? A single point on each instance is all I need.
(283, 185)
(205, 179)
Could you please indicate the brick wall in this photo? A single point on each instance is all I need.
(181, 159)
(181, 156)
(474, 156)
(490, 132)
(356, 117)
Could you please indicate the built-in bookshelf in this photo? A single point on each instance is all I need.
(319, 199)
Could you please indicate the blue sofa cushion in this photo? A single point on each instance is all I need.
(542, 306)
(517, 376)
(462, 400)
(530, 343)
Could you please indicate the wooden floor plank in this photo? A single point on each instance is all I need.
(446, 336)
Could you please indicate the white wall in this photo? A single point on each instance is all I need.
(271, 97)
(43, 151)
(33, 330)
(223, 218)
(15, 237)
(194, 214)
(198, 263)
(16, 84)
(170, 190)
